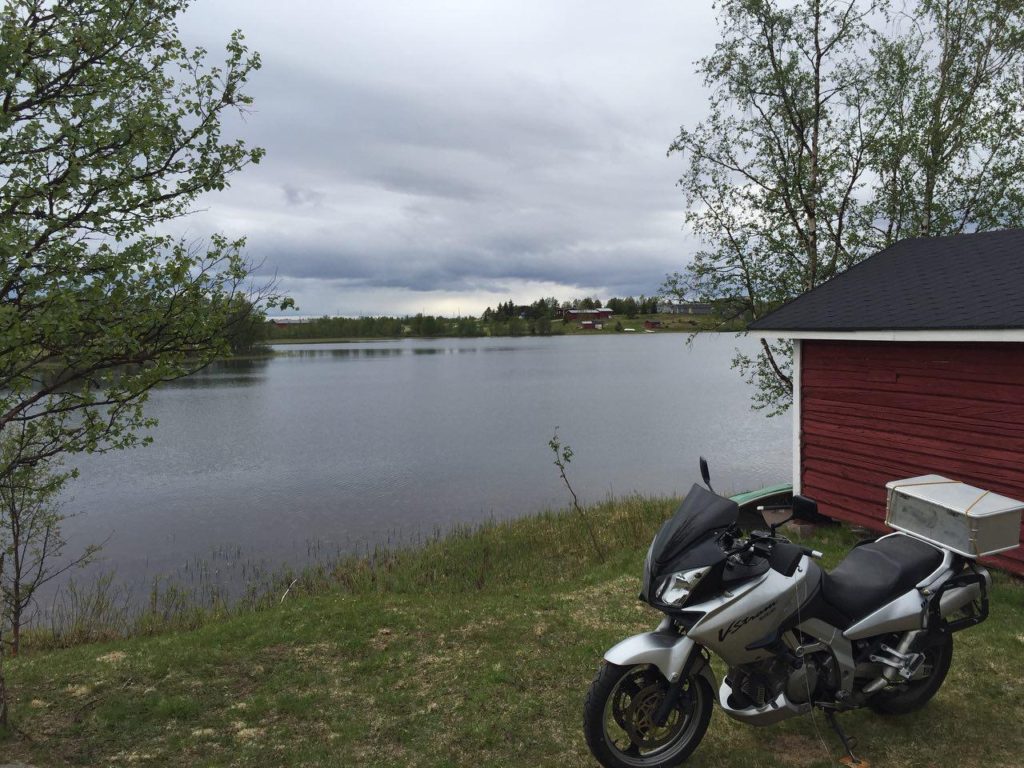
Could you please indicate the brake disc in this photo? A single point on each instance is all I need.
(638, 718)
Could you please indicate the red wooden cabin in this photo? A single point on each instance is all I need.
(910, 363)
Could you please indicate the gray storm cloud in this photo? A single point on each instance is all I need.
(462, 152)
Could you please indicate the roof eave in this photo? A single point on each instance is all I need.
(979, 335)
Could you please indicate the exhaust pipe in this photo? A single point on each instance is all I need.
(958, 598)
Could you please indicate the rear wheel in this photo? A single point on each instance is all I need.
(918, 691)
(618, 718)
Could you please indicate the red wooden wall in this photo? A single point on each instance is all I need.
(872, 412)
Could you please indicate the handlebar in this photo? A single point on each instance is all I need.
(757, 538)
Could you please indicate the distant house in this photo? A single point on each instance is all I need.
(684, 308)
(588, 314)
(910, 363)
(284, 322)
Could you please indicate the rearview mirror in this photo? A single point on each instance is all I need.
(705, 473)
(774, 517)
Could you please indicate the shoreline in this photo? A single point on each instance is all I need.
(616, 325)
(581, 333)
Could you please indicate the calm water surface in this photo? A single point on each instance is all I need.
(349, 445)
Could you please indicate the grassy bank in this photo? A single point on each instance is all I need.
(473, 651)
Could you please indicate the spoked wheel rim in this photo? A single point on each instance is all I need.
(629, 714)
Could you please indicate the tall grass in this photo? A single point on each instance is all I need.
(548, 546)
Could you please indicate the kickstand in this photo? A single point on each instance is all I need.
(847, 742)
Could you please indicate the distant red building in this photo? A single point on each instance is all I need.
(588, 314)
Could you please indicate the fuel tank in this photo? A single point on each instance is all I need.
(753, 611)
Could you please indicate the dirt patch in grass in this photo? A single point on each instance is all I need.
(798, 751)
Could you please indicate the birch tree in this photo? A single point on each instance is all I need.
(946, 119)
(835, 128)
(109, 127)
(32, 544)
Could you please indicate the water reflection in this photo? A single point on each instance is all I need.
(342, 354)
(232, 372)
(353, 353)
(361, 352)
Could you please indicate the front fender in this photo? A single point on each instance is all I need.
(665, 649)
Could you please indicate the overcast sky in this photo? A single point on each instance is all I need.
(446, 156)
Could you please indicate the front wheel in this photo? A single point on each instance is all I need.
(619, 712)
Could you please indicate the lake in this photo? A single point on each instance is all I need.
(337, 447)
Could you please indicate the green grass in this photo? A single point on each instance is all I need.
(472, 651)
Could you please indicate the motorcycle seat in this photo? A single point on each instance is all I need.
(873, 574)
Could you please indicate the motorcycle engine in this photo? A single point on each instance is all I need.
(818, 678)
(754, 685)
(802, 682)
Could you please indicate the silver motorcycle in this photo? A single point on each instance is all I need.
(877, 631)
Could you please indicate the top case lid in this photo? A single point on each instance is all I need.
(959, 497)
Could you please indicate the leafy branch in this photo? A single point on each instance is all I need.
(563, 457)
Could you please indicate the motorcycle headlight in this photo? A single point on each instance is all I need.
(676, 588)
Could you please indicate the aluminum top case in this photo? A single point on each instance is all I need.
(970, 521)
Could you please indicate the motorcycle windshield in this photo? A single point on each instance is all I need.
(701, 512)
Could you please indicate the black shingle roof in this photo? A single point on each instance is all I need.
(957, 282)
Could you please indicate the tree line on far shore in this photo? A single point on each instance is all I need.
(543, 317)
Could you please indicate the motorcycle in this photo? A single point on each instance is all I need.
(877, 631)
